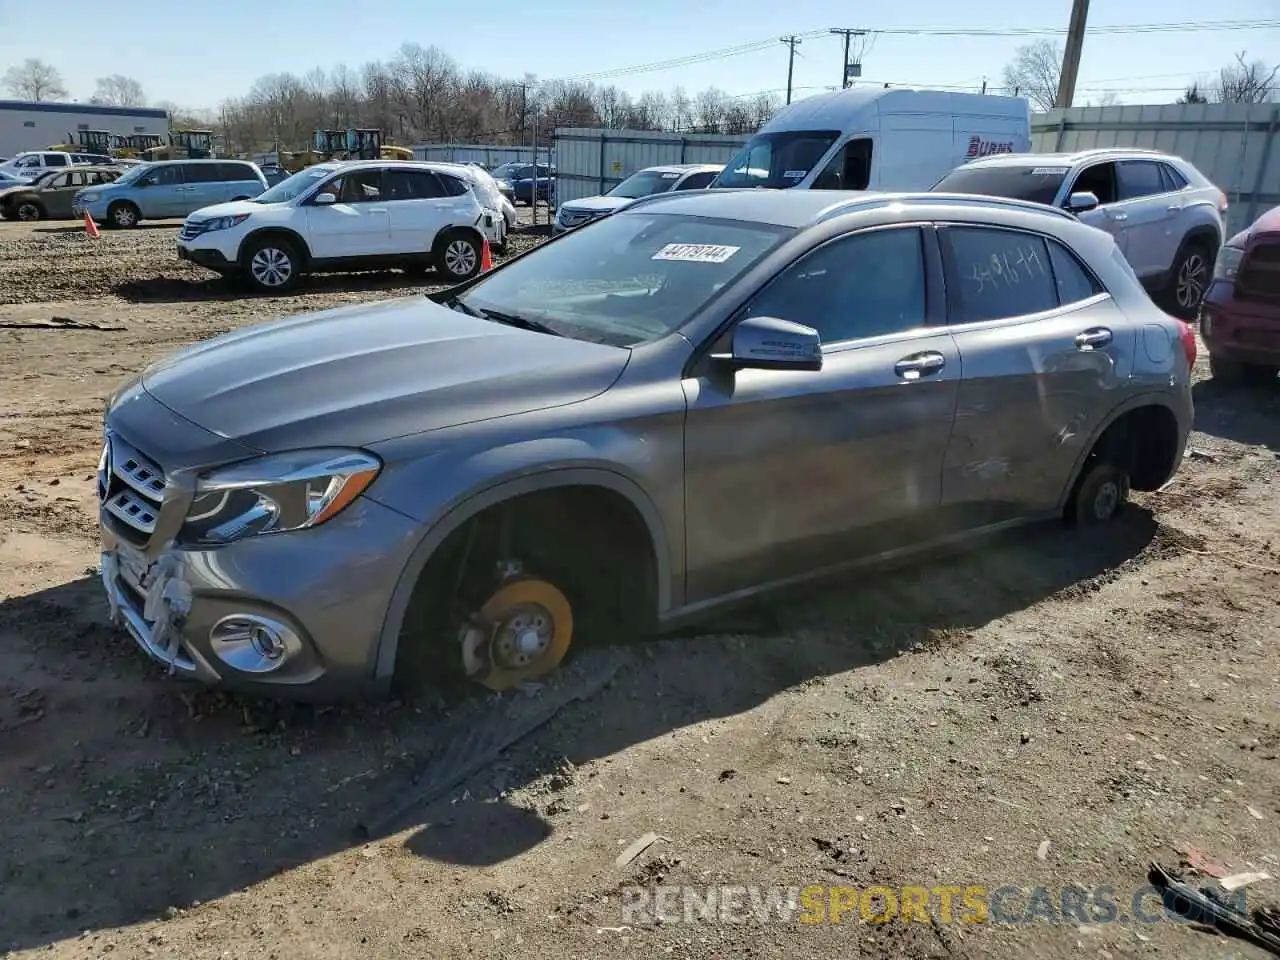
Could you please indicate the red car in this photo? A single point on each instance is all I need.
(1240, 316)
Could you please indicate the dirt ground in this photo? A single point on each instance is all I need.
(1047, 709)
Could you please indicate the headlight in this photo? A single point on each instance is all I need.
(87, 197)
(223, 223)
(1228, 263)
(276, 493)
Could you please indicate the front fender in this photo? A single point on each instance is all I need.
(487, 494)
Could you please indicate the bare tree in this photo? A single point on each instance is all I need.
(1242, 82)
(1034, 72)
(118, 90)
(34, 79)
(711, 108)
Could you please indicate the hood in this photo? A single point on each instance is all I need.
(230, 209)
(1269, 222)
(597, 204)
(15, 188)
(358, 375)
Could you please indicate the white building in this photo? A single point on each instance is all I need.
(34, 125)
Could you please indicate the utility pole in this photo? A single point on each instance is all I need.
(844, 65)
(1071, 56)
(792, 42)
(984, 86)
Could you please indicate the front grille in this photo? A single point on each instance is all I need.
(573, 218)
(1259, 275)
(131, 491)
(191, 230)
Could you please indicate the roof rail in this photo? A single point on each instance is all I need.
(887, 199)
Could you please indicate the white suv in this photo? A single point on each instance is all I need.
(353, 215)
(1166, 216)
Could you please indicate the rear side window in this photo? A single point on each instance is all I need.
(453, 187)
(236, 172)
(994, 274)
(1073, 281)
(57, 160)
(411, 185)
(1139, 178)
(204, 173)
(697, 181)
(1033, 184)
(1173, 180)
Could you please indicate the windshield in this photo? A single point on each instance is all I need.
(644, 184)
(294, 186)
(625, 279)
(1021, 182)
(506, 171)
(777, 159)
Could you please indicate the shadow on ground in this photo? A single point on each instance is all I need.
(122, 794)
(1245, 414)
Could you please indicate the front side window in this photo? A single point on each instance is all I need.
(1100, 180)
(625, 279)
(996, 274)
(166, 176)
(850, 169)
(866, 285)
(54, 182)
(358, 186)
(777, 159)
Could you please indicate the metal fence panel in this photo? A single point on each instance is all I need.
(1233, 144)
(490, 155)
(591, 161)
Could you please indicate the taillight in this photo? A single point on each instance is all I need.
(1188, 338)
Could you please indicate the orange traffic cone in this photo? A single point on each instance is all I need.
(90, 227)
(486, 257)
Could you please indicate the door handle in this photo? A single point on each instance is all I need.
(1093, 338)
(377, 209)
(1174, 208)
(1118, 216)
(919, 365)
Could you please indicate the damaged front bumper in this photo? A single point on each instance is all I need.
(152, 602)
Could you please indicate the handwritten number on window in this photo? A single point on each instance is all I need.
(1006, 268)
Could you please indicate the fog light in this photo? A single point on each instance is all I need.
(252, 643)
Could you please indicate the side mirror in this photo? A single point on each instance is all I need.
(324, 199)
(1082, 202)
(769, 343)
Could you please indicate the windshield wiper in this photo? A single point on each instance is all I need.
(515, 320)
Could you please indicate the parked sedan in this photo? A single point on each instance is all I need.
(646, 183)
(50, 196)
(699, 398)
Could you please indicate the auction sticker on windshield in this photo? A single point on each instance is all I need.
(696, 252)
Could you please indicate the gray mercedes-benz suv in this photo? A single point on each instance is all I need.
(687, 403)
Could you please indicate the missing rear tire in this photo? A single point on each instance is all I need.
(1100, 495)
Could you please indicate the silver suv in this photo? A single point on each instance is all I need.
(701, 397)
(1165, 215)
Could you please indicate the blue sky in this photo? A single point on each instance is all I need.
(219, 55)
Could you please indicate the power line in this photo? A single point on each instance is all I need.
(755, 46)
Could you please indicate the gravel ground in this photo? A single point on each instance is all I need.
(1047, 709)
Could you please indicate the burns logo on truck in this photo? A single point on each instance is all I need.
(985, 148)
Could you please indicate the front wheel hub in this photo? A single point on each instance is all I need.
(521, 633)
